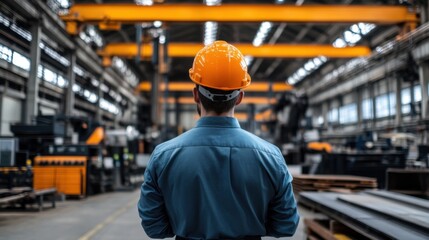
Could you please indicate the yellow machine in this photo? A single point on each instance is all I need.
(67, 174)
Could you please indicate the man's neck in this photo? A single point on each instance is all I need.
(214, 114)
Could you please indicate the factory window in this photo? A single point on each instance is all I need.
(320, 120)
(40, 71)
(58, 6)
(367, 109)
(78, 71)
(54, 55)
(406, 100)
(106, 105)
(21, 32)
(122, 67)
(49, 76)
(333, 115)
(91, 35)
(4, 20)
(417, 93)
(5, 53)
(62, 82)
(385, 105)
(348, 113)
(76, 88)
(21, 61)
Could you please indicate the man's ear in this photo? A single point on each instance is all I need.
(196, 96)
(239, 98)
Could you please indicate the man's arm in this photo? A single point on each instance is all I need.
(151, 207)
(283, 217)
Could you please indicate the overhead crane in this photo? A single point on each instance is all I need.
(131, 50)
(111, 16)
(246, 100)
(188, 86)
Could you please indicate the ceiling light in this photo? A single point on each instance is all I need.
(162, 39)
(248, 59)
(144, 2)
(210, 28)
(212, 2)
(157, 24)
(339, 43)
(210, 32)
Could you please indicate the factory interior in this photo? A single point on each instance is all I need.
(89, 88)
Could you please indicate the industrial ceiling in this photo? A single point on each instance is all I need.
(268, 69)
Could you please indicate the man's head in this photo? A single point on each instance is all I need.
(220, 72)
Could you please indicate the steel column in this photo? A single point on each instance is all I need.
(154, 97)
(251, 117)
(32, 99)
(372, 96)
(177, 111)
(358, 98)
(424, 80)
(70, 98)
(398, 115)
(100, 95)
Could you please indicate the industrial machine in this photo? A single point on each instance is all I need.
(125, 151)
(76, 168)
(14, 171)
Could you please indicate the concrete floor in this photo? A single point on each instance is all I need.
(103, 217)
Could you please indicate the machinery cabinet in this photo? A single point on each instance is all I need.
(65, 173)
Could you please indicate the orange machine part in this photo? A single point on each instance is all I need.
(320, 146)
(96, 137)
(67, 179)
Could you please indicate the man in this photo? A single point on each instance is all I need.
(217, 181)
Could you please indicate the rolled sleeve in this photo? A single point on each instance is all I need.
(151, 207)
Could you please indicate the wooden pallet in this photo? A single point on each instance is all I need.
(328, 229)
(332, 183)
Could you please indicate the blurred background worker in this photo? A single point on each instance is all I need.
(218, 181)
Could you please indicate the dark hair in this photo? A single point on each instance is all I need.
(217, 107)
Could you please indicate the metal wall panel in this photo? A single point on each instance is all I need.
(11, 112)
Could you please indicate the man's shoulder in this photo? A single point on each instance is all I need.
(260, 143)
(173, 143)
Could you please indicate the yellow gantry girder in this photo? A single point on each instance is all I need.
(111, 16)
(130, 50)
(188, 86)
(246, 100)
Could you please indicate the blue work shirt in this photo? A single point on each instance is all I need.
(217, 181)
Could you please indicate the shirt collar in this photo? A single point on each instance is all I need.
(225, 122)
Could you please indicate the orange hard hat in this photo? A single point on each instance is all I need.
(220, 66)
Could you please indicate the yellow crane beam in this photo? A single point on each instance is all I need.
(130, 50)
(246, 100)
(188, 86)
(111, 16)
